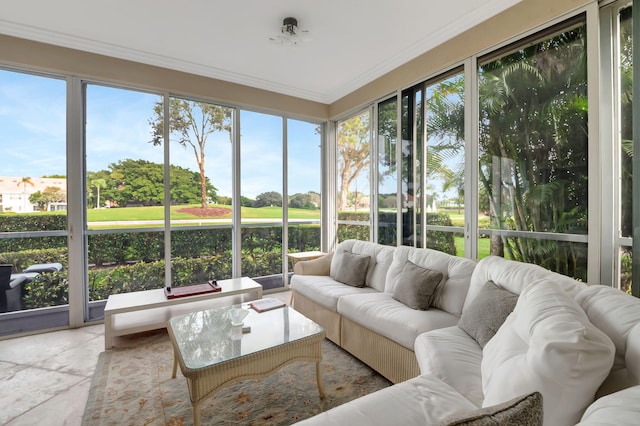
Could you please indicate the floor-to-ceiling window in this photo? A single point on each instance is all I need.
(533, 150)
(625, 147)
(261, 165)
(304, 148)
(618, 146)
(387, 200)
(124, 184)
(157, 195)
(412, 150)
(354, 185)
(433, 164)
(532, 142)
(200, 190)
(445, 162)
(33, 202)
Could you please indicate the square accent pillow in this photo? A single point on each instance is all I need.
(353, 269)
(487, 312)
(524, 410)
(417, 286)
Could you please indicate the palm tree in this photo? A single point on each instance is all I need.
(98, 183)
(24, 182)
(533, 145)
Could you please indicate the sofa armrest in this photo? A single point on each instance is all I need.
(319, 266)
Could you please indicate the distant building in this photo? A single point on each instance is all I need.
(14, 194)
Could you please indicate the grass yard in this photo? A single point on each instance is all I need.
(157, 213)
(484, 247)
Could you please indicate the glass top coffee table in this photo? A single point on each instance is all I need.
(212, 353)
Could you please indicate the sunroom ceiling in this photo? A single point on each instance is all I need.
(352, 42)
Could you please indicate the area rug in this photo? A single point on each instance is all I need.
(132, 385)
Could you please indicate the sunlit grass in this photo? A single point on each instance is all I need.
(484, 247)
(157, 213)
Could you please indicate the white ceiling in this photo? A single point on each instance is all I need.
(353, 41)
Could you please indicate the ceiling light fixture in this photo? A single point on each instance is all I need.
(290, 33)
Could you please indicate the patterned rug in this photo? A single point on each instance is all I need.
(132, 385)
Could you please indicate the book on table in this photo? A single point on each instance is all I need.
(266, 304)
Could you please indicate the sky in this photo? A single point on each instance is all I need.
(33, 134)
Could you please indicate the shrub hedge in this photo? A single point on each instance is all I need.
(133, 261)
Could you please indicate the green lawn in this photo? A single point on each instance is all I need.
(157, 213)
(484, 247)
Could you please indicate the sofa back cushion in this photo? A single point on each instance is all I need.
(515, 276)
(613, 312)
(632, 357)
(450, 294)
(548, 345)
(380, 260)
(617, 314)
(620, 409)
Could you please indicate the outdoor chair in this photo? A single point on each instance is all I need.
(10, 289)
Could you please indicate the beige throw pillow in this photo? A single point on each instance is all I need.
(353, 269)
(487, 312)
(417, 286)
(524, 410)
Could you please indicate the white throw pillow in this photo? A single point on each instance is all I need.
(547, 345)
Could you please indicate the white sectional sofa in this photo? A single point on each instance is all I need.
(577, 345)
(367, 321)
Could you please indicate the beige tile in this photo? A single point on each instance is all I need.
(42, 347)
(30, 387)
(79, 360)
(66, 408)
(8, 370)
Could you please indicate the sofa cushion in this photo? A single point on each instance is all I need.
(423, 400)
(620, 409)
(525, 410)
(417, 286)
(613, 312)
(353, 269)
(515, 277)
(616, 313)
(548, 345)
(484, 316)
(394, 320)
(381, 258)
(457, 272)
(455, 358)
(632, 359)
(324, 290)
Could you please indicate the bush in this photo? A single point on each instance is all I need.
(22, 259)
(50, 289)
(436, 240)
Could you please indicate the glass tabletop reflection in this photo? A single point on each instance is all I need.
(207, 338)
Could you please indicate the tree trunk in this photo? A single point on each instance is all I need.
(203, 182)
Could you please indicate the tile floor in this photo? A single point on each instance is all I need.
(45, 378)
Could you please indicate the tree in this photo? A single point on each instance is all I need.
(270, 198)
(353, 153)
(141, 182)
(98, 183)
(51, 194)
(533, 149)
(246, 201)
(304, 201)
(24, 182)
(191, 123)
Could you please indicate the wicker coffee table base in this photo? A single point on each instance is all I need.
(204, 382)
